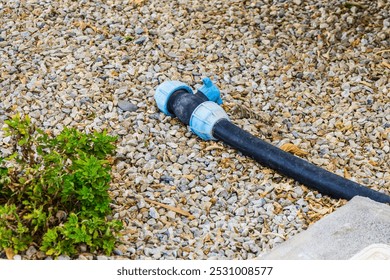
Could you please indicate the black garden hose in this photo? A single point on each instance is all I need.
(292, 166)
(209, 121)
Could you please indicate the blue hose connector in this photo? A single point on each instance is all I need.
(204, 117)
(211, 91)
(165, 90)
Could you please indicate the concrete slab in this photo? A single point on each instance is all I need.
(374, 252)
(340, 235)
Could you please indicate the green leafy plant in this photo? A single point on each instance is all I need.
(54, 190)
(128, 38)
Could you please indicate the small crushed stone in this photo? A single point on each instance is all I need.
(140, 40)
(311, 73)
(127, 106)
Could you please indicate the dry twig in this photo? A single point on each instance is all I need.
(172, 208)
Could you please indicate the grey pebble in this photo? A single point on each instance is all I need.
(169, 201)
(184, 188)
(127, 106)
(31, 251)
(126, 58)
(139, 30)
(232, 200)
(84, 100)
(17, 257)
(153, 213)
(240, 211)
(166, 179)
(131, 250)
(254, 248)
(259, 202)
(25, 34)
(298, 191)
(141, 203)
(117, 38)
(117, 252)
(155, 116)
(63, 258)
(140, 40)
(83, 248)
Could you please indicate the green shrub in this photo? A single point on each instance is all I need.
(54, 190)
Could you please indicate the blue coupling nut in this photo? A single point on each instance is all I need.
(211, 91)
(164, 92)
(204, 117)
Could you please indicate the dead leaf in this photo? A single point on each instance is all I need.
(207, 206)
(131, 230)
(342, 127)
(227, 162)
(10, 253)
(172, 208)
(274, 234)
(207, 238)
(382, 51)
(23, 80)
(386, 64)
(138, 2)
(291, 148)
(84, 25)
(321, 211)
(346, 174)
(277, 208)
(186, 249)
(189, 176)
(373, 163)
(356, 42)
(365, 83)
(156, 186)
(212, 147)
(81, 24)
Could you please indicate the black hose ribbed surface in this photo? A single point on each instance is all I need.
(294, 167)
(182, 104)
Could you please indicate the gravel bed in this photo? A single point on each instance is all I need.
(311, 73)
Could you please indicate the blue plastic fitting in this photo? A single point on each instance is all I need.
(211, 91)
(204, 117)
(165, 90)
